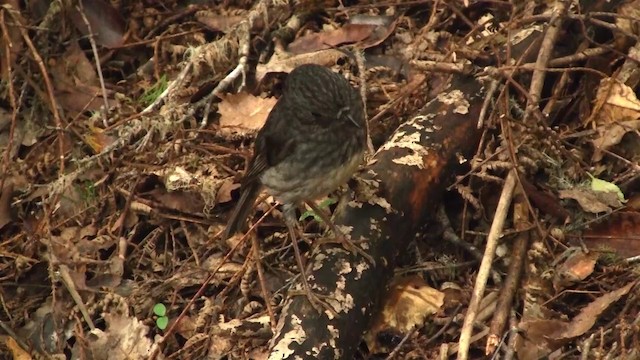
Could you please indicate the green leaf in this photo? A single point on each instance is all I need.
(310, 213)
(162, 322)
(307, 214)
(152, 93)
(605, 186)
(159, 309)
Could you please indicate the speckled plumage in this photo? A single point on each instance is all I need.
(311, 143)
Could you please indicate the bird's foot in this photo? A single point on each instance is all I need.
(317, 301)
(348, 244)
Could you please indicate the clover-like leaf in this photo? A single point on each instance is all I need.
(162, 322)
(159, 309)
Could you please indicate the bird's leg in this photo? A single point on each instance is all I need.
(340, 237)
(316, 300)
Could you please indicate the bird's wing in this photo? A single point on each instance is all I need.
(274, 142)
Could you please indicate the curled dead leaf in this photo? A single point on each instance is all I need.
(409, 303)
(285, 62)
(243, 113)
(592, 201)
(348, 34)
(218, 22)
(106, 23)
(577, 267)
(618, 112)
(588, 316)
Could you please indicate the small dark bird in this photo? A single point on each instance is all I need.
(312, 142)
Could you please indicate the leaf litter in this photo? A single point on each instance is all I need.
(83, 263)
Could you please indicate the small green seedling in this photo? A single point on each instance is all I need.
(161, 311)
(323, 205)
(152, 93)
(88, 192)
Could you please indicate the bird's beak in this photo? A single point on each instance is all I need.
(353, 121)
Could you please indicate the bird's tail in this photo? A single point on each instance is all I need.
(239, 215)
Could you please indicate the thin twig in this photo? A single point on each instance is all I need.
(546, 50)
(263, 283)
(362, 69)
(485, 267)
(94, 49)
(446, 325)
(14, 336)
(47, 82)
(503, 309)
(172, 85)
(493, 87)
(12, 99)
(397, 348)
(67, 280)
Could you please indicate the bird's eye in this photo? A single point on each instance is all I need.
(344, 114)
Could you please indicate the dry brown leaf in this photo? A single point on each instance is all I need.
(627, 23)
(367, 31)
(545, 201)
(348, 34)
(107, 25)
(220, 345)
(592, 201)
(177, 178)
(385, 26)
(40, 330)
(5, 121)
(186, 327)
(408, 304)
(27, 131)
(619, 113)
(76, 82)
(537, 341)
(541, 337)
(232, 334)
(611, 135)
(193, 275)
(244, 113)
(6, 194)
(17, 352)
(285, 62)
(454, 295)
(574, 269)
(590, 313)
(75, 67)
(20, 134)
(75, 200)
(218, 22)
(81, 98)
(224, 192)
(91, 244)
(179, 192)
(98, 139)
(183, 201)
(125, 338)
(619, 231)
(16, 49)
